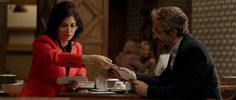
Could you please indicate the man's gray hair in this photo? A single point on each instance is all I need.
(171, 18)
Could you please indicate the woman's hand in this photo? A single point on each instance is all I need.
(103, 61)
(98, 59)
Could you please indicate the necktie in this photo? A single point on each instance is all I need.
(171, 61)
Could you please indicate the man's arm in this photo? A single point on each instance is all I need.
(192, 69)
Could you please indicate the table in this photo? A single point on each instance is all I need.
(228, 92)
(89, 96)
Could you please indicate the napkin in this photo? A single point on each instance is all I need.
(123, 74)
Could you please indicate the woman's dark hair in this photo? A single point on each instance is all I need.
(59, 12)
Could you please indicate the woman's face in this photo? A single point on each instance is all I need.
(146, 50)
(67, 29)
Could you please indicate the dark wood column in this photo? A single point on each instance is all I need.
(117, 27)
(43, 10)
(3, 35)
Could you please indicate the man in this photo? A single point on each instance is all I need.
(190, 73)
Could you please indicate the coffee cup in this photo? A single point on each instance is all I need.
(110, 83)
(119, 85)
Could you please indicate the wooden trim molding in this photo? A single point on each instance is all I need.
(29, 2)
(19, 48)
(21, 29)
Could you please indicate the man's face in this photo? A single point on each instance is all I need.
(161, 36)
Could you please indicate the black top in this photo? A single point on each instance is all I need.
(193, 75)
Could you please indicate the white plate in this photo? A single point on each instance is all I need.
(7, 75)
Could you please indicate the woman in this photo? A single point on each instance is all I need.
(57, 53)
(128, 55)
(147, 59)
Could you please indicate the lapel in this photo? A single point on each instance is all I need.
(186, 36)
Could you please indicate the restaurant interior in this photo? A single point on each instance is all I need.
(108, 24)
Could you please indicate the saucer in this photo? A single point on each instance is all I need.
(118, 90)
(100, 90)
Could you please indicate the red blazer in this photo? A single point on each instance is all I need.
(48, 63)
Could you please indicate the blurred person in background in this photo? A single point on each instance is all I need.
(128, 55)
(147, 59)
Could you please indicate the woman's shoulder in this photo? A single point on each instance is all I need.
(76, 43)
(42, 38)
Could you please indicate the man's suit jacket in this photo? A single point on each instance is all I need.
(193, 75)
(48, 63)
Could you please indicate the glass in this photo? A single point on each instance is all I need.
(100, 82)
(128, 87)
(65, 27)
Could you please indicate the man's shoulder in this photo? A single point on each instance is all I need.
(189, 42)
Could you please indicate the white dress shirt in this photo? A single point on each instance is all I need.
(173, 51)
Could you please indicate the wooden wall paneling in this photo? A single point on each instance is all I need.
(94, 25)
(94, 38)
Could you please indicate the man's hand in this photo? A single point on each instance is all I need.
(126, 70)
(113, 72)
(140, 87)
(97, 59)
